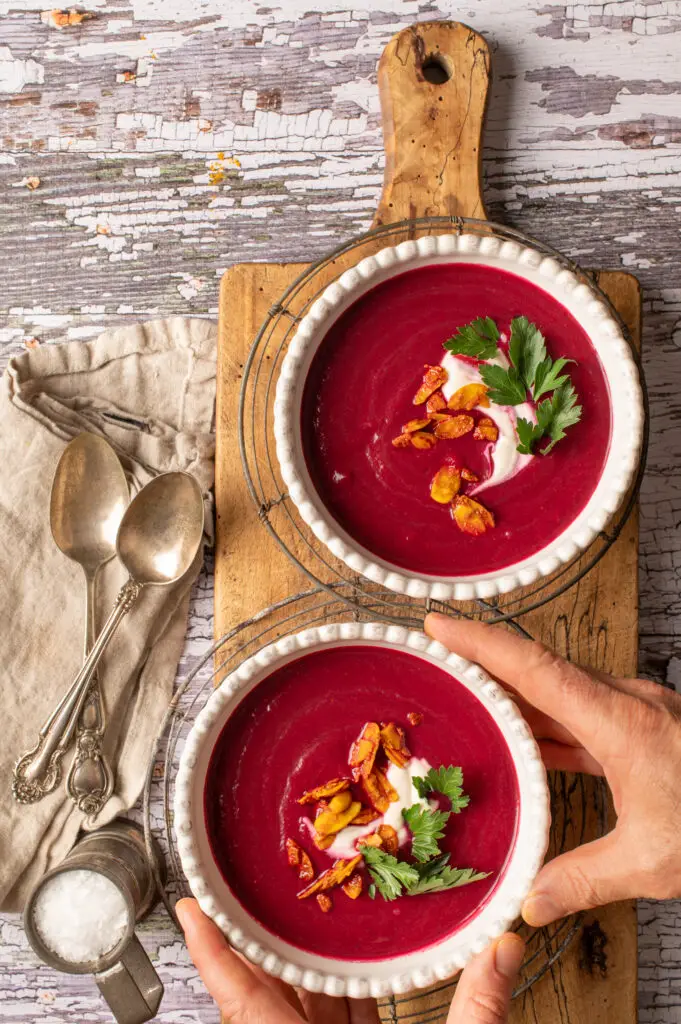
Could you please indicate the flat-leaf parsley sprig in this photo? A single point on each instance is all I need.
(431, 873)
(532, 370)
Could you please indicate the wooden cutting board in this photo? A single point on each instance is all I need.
(433, 143)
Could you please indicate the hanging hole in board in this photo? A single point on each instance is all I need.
(436, 69)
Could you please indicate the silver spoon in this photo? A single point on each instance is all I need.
(88, 499)
(158, 540)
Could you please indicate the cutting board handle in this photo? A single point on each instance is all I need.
(433, 80)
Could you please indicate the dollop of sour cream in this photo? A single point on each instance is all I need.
(344, 845)
(506, 461)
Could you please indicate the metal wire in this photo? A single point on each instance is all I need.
(275, 508)
(573, 798)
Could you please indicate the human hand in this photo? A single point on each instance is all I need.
(628, 730)
(246, 995)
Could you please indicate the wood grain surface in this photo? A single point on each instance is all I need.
(172, 140)
(432, 137)
(594, 623)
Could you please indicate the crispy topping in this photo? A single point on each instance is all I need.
(415, 717)
(486, 430)
(297, 858)
(454, 426)
(366, 816)
(470, 516)
(332, 877)
(413, 425)
(329, 822)
(341, 802)
(363, 751)
(389, 839)
(324, 842)
(469, 396)
(433, 379)
(445, 484)
(374, 840)
(440, 417)
(293, 852)
(469, 476)
(388, 789)
(392, 738)
(312, 796)
(402, 441)
(353, 887)
(380, 793)
(325, 902)
(435, 403)
(422, 440)
(306, 871)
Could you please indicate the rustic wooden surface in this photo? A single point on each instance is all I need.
(137, 214)
(594, 623)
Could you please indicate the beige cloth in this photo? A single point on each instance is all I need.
(150, 390)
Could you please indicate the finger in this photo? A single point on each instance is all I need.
(240, 994)
(321, 1009)
(363, 1011)
(583, 704)
(559, 757)
(543, 726)
(588, 877)
(284, 990)
(483, 995)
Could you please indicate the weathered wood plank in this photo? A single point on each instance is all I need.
(581, 149)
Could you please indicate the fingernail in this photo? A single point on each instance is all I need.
(183, 914)
(432, 619)
(539, 909)
(509, 955)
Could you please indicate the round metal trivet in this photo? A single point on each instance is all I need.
(275, 508)
(573, 798)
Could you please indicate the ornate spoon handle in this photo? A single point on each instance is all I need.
(90, 781)
(38, 772)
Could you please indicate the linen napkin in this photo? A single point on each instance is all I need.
(150, 390)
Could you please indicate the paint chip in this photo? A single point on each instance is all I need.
(31, 183)
(65, 18)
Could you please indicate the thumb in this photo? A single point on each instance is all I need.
(483, 995)
(584, 878)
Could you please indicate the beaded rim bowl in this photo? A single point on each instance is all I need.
(617, 363)
(317, 973)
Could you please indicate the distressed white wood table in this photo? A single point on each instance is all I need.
(147, 148)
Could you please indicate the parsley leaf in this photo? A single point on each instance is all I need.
(389, 874)
(527, 349)
(448, 781)
(548, 376)
(528, 433)
(505, 386)
(445, 878)
(427, 828)
(564, 413)
(477, 339)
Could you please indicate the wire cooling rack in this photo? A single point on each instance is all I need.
(275, 508)
(573, 798)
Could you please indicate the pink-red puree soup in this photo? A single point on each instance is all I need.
(359, 392)
(293, 732)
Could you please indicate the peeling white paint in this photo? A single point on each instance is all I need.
(16, 73)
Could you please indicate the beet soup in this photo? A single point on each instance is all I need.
(359, 391)
(291, 733)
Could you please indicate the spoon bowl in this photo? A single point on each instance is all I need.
(161, 530)
(88, 499)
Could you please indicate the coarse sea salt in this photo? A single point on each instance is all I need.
(80, 915)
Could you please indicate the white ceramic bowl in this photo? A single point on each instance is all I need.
(341, 977)
(588, 309)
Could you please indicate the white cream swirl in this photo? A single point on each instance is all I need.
(506, 461)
